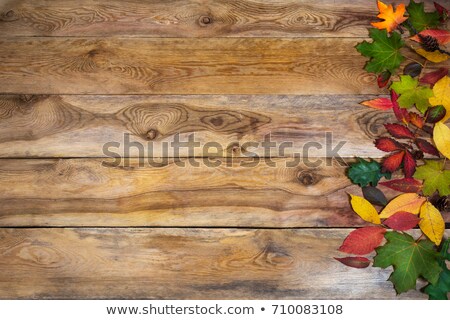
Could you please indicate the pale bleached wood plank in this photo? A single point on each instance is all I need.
(188, 18)
(79, 126)
(183, 264)
(91, 192)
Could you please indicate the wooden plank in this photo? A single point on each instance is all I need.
(79, 126)
(183, 264)
(88, 192)
(182, 66)
(188, 18)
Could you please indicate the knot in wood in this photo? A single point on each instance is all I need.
(306, 178)
(151, 134)
(9, 15)
(92, 53)
(372, 123)
(205, 20)
(217, 121)
(26, 97)
(235, 147)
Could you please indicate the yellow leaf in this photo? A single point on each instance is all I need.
(441, 91)
(391, 18)
(441, 137)
(432, 223)
(434, 56)
(365, 209)
(409, 202)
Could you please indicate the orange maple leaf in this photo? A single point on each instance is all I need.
(391, 19)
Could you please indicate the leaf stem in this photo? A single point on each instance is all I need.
(421, 236)
(416, 61)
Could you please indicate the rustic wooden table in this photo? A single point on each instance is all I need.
(76, 74)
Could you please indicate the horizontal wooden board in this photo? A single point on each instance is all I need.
(188, 18)
(182, 66)
(94, 192)
(81, 126)
(183, 264)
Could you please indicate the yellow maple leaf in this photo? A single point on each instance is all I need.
(434, 56)
(441, 137)
(365, 209)
(391, 19)
(408, 202)
(432, 224)
(441, 91)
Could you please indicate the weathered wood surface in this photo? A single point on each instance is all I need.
(79, 126)
(183, 264)
(88, 192)
(182, 66)
(75, 74)
(188, 18)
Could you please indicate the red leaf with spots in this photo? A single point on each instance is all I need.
(387, 144)
(392, 162)
(399, 131)
(409, 165)
(402, 221)
(433, 77)
(363, 240)
(407, 185)
(427, 147)
(380, 103)
(355, 262)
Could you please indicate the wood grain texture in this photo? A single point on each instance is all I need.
(188, 18)
(76, 74)
(182, 66)
(91, 192)
(79, 126)
(183, 264)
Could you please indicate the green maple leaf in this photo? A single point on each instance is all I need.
(384, 51)
(420, 19)
(440, 290)
(434, 178)
(410, 260)
(365, 173)
(412, 94)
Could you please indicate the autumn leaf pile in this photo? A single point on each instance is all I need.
(407, 49)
